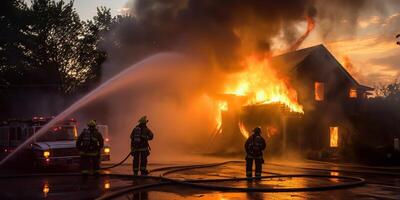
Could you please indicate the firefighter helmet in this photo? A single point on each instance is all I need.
(92, 123)
(143, 120)
(257, 129)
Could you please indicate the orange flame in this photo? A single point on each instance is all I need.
(222, 106)
(334, 132)
(243, 130)
(261, 84)
(271, 131)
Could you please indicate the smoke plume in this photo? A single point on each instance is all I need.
(223, 31)
(215, 36)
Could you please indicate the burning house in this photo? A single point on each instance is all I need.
(320, 100)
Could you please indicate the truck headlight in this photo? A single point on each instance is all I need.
(46, 154)
(107, 150)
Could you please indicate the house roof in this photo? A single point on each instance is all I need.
(292, 62)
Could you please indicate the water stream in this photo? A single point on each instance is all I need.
(126, 77)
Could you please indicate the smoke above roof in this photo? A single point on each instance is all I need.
(222, 31)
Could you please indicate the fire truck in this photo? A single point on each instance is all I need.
(55, 147)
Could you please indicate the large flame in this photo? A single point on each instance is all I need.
(261, 84)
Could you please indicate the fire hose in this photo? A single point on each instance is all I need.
(353, 182)
(118, 164)
(202, 184)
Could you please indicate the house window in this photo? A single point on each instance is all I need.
(353, 93)
(319, 91)
(334, 136)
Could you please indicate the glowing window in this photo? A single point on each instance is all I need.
(353, 93)
(334, 135)
(319, 91)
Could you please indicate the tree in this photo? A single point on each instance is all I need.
(47, 45)
(390, 91)
(91, 54)
(12, 41)
(54, 35)
(46, 50)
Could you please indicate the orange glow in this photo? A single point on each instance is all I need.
(46, 189)
(107, 185)
(319, 91)
(75, 133)
(261, 84)
(243, 130)
(271, 131)
(334, 173)
(310, 24)
(46, 154)
(334, 134)
(353, 93)
(222, 106)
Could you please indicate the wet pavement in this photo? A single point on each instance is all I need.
(382, 183)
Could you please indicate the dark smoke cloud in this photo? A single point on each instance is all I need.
(222, 31)
(219, 31)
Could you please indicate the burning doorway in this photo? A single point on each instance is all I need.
(334, 136)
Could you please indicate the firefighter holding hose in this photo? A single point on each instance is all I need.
(140, 148)
(89, 144)
(254, 146)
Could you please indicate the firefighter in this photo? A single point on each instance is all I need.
(140, 148)
(89, 144)
(254, 146)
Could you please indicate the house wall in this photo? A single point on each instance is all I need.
(337, 108)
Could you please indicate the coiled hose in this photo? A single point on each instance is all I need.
(353, 181)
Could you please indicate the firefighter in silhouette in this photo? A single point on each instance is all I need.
(89, 144)
(254, 146)
(140, 148)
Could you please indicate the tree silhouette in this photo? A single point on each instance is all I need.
(47, 45)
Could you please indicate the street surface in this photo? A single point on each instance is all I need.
(382, 182)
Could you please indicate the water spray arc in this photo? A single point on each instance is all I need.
(118, 81)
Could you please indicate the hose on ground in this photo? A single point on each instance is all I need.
(118, 164)
(353, 182)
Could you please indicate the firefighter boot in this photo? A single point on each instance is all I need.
(143, 163)
(258, 163)
(144, 172)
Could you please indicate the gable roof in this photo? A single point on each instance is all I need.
(291, 62)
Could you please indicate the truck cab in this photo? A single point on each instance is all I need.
(55, 147)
